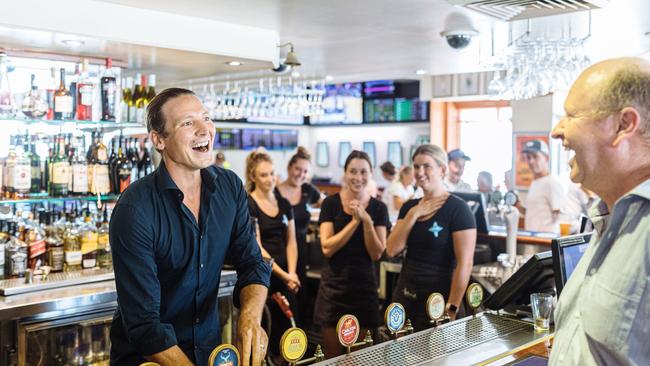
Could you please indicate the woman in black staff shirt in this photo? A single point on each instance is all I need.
(439, 233)
(353, 236)
(276, 236)
(301, 194)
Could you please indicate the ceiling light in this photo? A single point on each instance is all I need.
(420, 72)
(234, 63)
(329, 77)
(73, 42)
(295, 74)
(292, 59)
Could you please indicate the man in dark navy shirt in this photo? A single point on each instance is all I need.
(170, 233)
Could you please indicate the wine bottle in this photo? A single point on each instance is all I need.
(60, 168)
(85, 94)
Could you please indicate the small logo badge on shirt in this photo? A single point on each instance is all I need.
(285, 220)
(435, 229)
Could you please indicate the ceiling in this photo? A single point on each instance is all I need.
(367, 38)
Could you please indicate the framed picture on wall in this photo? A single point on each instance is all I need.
(322, 154)
(345, 148)
(442, 86)
(468, 84)
(523, 176)
(369, 148)
(395, 153)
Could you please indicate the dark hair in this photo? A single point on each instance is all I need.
(302, 153)
(356, 154)
(388, 168)
(155, 117)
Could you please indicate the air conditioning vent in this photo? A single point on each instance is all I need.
(509, 10)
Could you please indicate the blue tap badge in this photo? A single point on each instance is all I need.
(395, 317)
(224, 355)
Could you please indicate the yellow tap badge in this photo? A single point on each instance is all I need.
(293, 344)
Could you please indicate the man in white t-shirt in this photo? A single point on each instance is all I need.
(546, 195)
(452, 181)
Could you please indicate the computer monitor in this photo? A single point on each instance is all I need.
(477, 203)
(536, 275)
(567, 252)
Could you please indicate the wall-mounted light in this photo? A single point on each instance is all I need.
(234, 63)
(292, 59)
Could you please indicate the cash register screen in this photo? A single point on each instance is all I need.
(567, 252)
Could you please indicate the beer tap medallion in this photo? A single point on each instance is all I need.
(348, 330)
(474, 296)
(435, 306)
(395, 317)
(224, 355)
(293, 344)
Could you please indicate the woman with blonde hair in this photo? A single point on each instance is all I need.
(302, 196)
(438, 232)
(276, 236)
(353, 228)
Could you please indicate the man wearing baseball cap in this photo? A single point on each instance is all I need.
(546, 195)
(452, 181)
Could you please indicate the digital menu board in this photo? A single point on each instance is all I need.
(284, 139)
(227, 139)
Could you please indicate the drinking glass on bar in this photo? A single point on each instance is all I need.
(542, 305)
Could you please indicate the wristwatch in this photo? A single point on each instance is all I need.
(451, 308)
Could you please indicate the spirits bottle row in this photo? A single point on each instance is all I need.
(53, 241)
(82, 96)
(69, 169)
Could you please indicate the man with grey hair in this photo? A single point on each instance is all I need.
(484, 182)
(602, 315)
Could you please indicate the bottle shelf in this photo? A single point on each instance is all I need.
(82, 125)
(44, 197)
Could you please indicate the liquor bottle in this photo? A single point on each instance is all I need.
(145, 165)
(85, 94)
(127, 93)
(4, 238)
(15, 254)
(8, 167)
(72, 81)
(111, 165)
(49, 94)
(103, 244)
(108, 90)
(135, 95)
(140, 101)
(71, 246)
(98, 175)
(34, 106)
(35, 160)
(123, 168)
(88, 242)
(35, 238)
(79, 170)
(134, 157)
(151, 90)
(20, 177)
(63, 100)
(54, 243)
(47, 164)
(7, 107)
(60, 170)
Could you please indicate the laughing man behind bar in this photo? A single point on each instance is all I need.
(170, 233)
(603, 315)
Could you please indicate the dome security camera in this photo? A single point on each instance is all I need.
(459, 39)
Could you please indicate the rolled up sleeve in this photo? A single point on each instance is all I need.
(244, 252)
(138, 288)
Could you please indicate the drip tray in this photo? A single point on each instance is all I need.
(437, 346)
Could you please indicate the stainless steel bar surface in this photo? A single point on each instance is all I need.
(463, 342)
(56, 302)
(16, 286)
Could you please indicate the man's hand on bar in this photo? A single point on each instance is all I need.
(252, 340)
